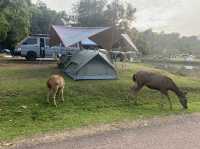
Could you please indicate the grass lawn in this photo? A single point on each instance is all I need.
(24, 111)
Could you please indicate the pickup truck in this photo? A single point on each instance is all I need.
(37, 46)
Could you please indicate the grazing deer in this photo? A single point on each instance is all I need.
(158, 82)
(55, 85)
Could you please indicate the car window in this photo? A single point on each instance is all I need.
(30, 41)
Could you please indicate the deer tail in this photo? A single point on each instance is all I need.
(134, 78)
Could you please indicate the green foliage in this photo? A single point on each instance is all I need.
(42, 18)
(15, 20)
(90, 12)
(24, 111)
(4, 27)
(170, 44)
(120, 14)
(102, 13)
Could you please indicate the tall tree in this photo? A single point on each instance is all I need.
(90, 12)
(103, 13)
(120, 14)
(42, 18)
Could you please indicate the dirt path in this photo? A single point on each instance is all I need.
(174, 132)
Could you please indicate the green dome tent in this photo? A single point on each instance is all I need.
(90, 65)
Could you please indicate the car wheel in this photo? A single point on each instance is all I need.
(31, 56)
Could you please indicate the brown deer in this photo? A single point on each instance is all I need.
(158, 82)
(55, 85)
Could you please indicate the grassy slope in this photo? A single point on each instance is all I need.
(24, 111)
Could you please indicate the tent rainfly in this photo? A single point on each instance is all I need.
(90, 65)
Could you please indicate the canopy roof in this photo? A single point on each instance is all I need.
(128, 40)
(68, 36)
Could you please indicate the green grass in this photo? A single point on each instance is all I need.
(24, 111)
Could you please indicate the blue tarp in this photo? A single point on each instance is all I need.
(88, 42)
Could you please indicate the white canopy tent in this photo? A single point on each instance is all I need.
(68, 36)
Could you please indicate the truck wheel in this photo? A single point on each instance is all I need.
(31, 56)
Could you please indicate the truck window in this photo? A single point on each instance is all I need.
(30, 41)
(47, 41)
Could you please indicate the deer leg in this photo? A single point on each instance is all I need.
(170, 102)
(161, 101)
(48, 95)
(59, 93)
(62, 94)
(167, 95)
(54, 96)
(129, 93)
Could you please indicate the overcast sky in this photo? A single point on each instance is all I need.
(181, 16)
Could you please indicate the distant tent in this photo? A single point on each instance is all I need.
(90, 65)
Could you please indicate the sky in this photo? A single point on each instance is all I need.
(182, 16)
